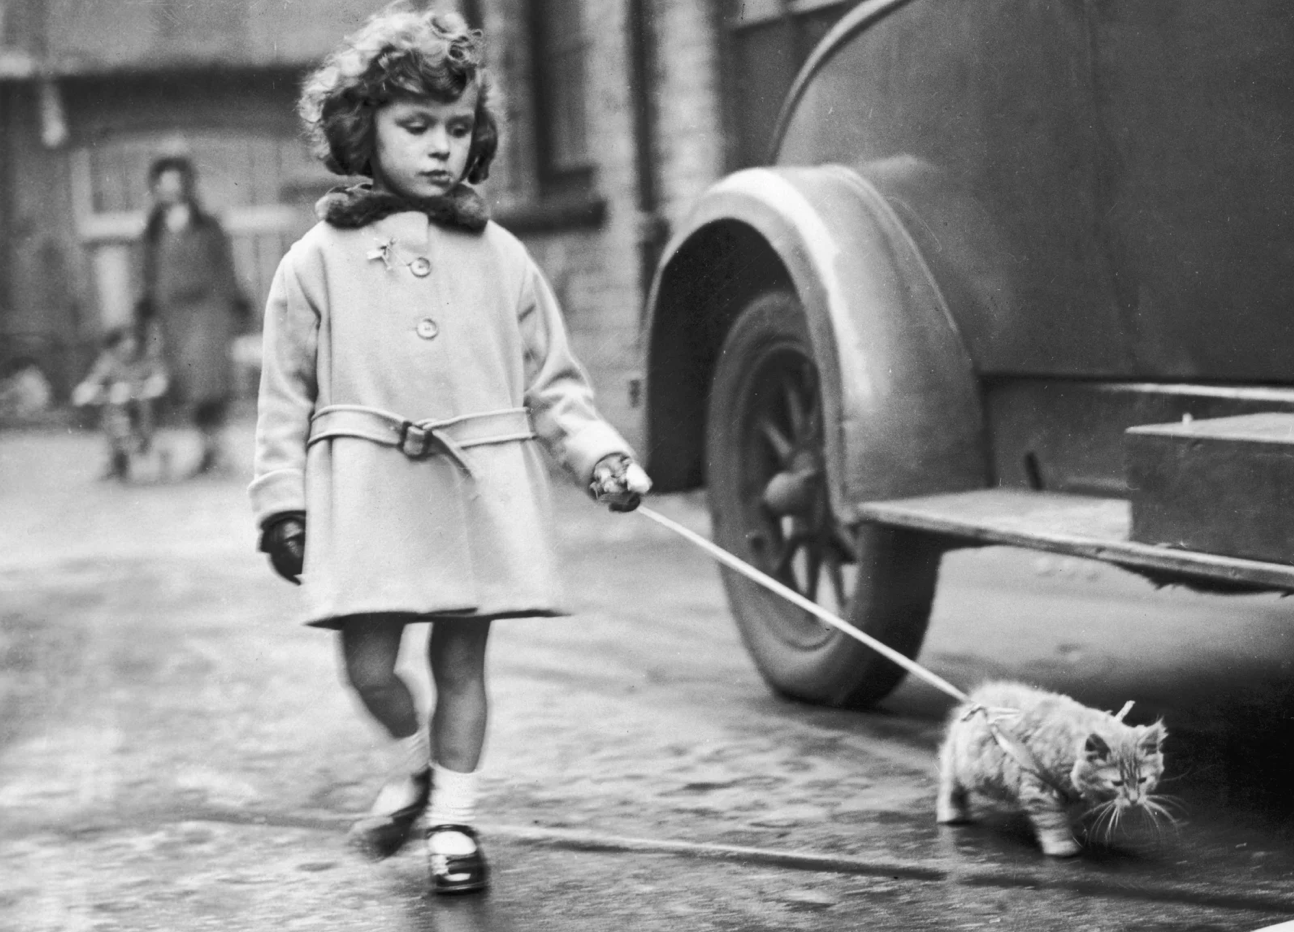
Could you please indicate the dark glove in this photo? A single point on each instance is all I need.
(283, 537)
(619, 482)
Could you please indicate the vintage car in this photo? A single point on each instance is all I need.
(1018, 272)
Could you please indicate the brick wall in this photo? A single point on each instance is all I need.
(594, 266)
(688, 103)
(595, 269)
(99, 35)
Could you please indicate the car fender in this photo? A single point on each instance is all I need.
(900, 397)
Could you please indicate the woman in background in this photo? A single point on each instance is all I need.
(192, 304)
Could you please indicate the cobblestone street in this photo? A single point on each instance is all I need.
(176, 752)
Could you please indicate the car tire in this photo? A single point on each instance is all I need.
(767, 488)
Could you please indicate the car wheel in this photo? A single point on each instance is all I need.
(766, 474)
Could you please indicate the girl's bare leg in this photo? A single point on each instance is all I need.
(370, 645)
(457, 654)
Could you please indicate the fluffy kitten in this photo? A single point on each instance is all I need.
(1078, 762)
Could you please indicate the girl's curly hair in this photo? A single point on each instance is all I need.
(397, 53)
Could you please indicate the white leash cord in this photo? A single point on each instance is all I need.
(768, 582)
(1009, 745)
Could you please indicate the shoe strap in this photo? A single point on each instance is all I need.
(452, 827)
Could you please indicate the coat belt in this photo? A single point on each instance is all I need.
(421, 439)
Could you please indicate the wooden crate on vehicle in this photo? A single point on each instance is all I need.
(1221, 485)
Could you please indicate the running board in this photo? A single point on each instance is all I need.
(1097, 528)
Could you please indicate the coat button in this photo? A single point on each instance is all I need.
(420, 266)
(427, 329)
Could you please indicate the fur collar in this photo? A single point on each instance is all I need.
(360, 205)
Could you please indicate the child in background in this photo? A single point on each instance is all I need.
(125, 382)
(413, 355)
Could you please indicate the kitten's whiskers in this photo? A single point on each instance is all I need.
(1174, 804)
(1104, 817)
(1158, 812)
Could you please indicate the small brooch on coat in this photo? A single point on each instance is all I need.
(383, 251)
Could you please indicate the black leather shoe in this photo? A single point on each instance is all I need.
(457, 873)
(381, 834)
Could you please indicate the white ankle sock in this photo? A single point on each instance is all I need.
(409, 755)
(453, 796)
(412, 752)
(453, 802)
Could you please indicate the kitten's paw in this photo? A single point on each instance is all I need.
(1060, 847)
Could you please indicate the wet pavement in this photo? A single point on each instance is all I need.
(177, 753)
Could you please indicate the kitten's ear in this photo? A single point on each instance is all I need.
(1152, 738)
(1096, 748)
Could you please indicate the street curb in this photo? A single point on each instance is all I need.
(1049, 875)
(897, 869)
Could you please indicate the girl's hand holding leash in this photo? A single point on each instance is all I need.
(619, 482)
(283, 537)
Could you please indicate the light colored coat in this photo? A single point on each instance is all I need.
(347, 323)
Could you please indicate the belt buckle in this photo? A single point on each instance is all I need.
(416, 442)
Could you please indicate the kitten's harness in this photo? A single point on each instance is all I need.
(992, 716)
(1020, 753)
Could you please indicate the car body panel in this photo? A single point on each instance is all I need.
(1132, 159)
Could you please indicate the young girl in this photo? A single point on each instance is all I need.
(413, 356)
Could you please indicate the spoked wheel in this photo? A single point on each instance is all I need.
(769, 504)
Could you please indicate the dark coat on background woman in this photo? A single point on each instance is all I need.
(192, 295)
